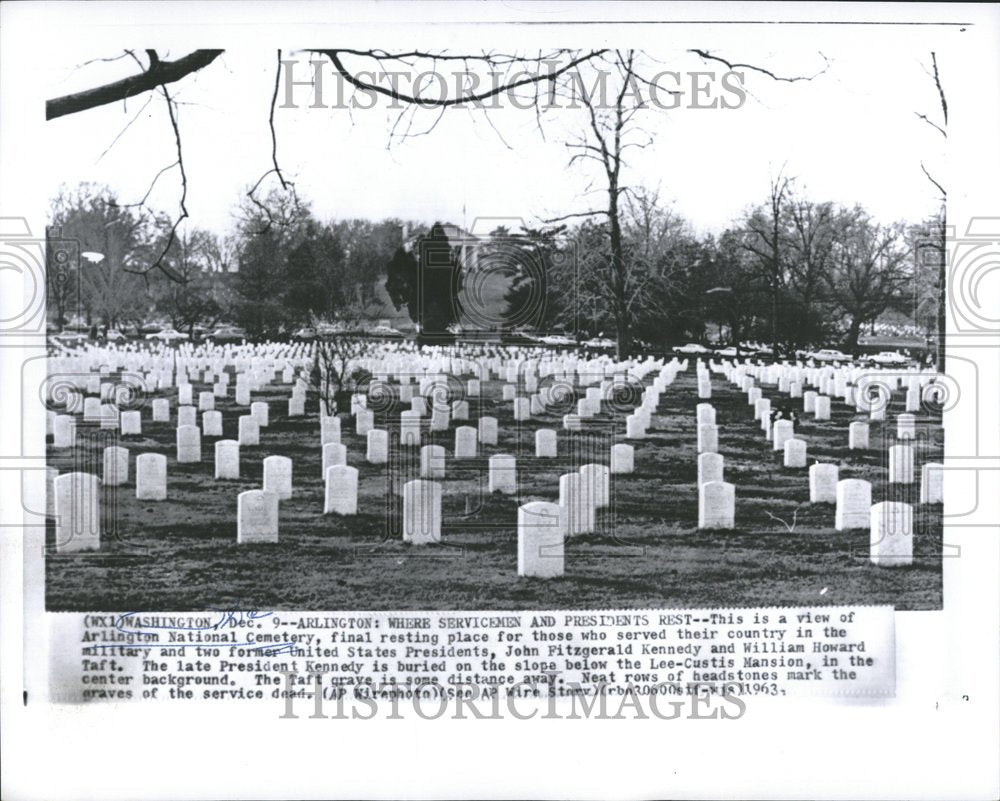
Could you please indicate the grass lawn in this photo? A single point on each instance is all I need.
(181, 554)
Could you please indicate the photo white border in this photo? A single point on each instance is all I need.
(937, 739)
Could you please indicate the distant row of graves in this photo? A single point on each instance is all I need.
(411, 398)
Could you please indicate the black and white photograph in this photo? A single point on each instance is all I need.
(564, 345)
(342, 376)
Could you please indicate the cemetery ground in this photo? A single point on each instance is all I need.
(181, 554)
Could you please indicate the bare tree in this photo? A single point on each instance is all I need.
(608, 134)
(869, 270)
(814, 229)
(766, 239)
(935, 244)
(337, 349)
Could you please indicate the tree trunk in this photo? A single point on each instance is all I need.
(851, 341)
(774, 320)
(620, 301)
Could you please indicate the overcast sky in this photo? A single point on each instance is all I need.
(851, 135)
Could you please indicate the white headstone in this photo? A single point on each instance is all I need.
(249, 431)
(465, 442)
(409, 429)
(540, 538)
(595, 483)
(522, 409)
(858, 436)
(716, 505)
(278, 476)
(622, 458)
(891, 537)
(488, 430)
(809, 401)
(822, 407)
(906, 426)
(64, 431)
(432, 461)
(502, 474)
(211, 424)
(206, 401)
(546, 444)
(440, 419)
(78, 513)
(151, 477)
(161, 410)
(329, 429)
(333, 454)
(932, 483)
(421, 511)
(131, 423)
(91, 410)
(109, 415)
(341, 495)
(227, 459)
(901, 464)
(296, 406)
(377, 448)
(781, 432)
(572, 422)
(635, 427)
(578, 509)
(710, 467)
(115, 466)
(259, 412)
(823, 483)
(761, 408)
(51, 474)
(795, 453)
(256, 517)
(854, 501)
(708, 438)
(188, 444)
(364, 421)
(705, 413)
(187, 416)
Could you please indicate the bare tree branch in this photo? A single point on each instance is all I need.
(933, 124)
(160, 262)
(159, 73)
(270, 120)
(431, 102)
(577, 214)
(941, 189)
(937, 83)
(706, 56)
